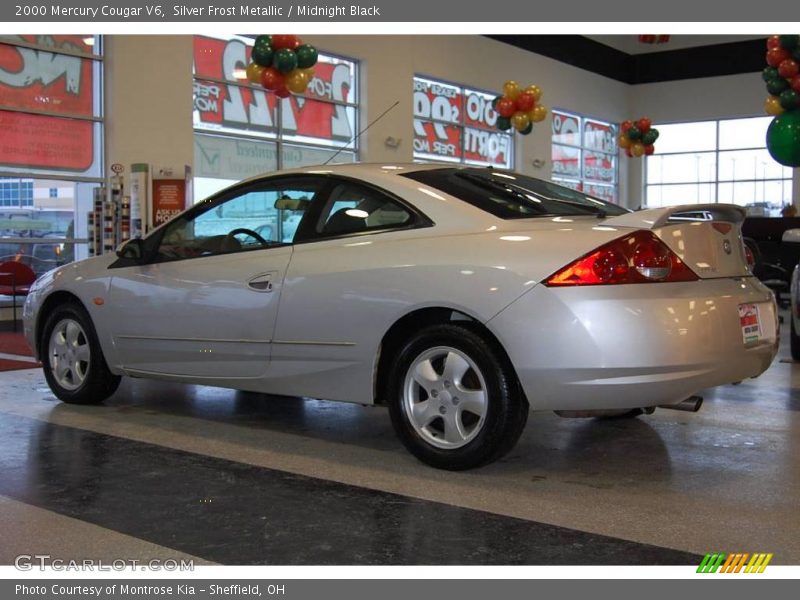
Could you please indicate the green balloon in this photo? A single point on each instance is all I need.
(634, 133)
(770, 73)
(789, 41)
(789, 100)
(495, 101)
(783, 138)
(262, 54)
(527, 130)
(776, 86)
(306, 56)
(285, 60)
(655, 132)
(649, 137)
(264, 39)
(503, 123)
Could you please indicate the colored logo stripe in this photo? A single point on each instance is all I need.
(734, 562)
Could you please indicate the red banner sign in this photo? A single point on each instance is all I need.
(169, 199)
(222, 106)
(44, 81)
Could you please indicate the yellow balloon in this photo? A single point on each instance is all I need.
(511, 89)
(637, 149)
(624, 141)
(539, 113)
(773, 106)
(296, 81)
(520, 120)
(535, 90)
(309, 73)
(254, 73)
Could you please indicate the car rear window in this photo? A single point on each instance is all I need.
(513, 196)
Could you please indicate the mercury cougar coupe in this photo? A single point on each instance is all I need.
(458, 297)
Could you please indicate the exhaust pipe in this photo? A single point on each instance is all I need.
(691, 404)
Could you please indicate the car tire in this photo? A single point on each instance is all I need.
(454, 399)
(72, 359)
(794, 339)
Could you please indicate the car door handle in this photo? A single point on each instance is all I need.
(261, 283)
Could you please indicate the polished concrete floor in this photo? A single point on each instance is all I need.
(226, 477)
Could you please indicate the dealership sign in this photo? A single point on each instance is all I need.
(456, 124)
(314, 117)
(40, 81)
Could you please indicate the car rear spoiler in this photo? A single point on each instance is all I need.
(659, 217)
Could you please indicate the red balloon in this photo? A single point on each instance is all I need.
(526, 101)
(788, 68)
(297, 42)
(775, 56)
(284, 41)
(649, 149)
(626, 125)
(628, 153)
(272, 79)
(644, 124)
(506, 107)
(795, 83)
(773, 41)
(282, 92)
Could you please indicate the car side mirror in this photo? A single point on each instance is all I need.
(132, 249)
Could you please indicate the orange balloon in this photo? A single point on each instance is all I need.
(773, 106)
(637, 149)
(296, 81)
(254, 72)
(624, 141)
(511, 89)
(520, 121)
(535, 90)
(539, 113)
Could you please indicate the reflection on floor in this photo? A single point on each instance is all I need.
(244, 478)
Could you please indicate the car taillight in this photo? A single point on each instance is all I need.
(749, 256)
(640, 257)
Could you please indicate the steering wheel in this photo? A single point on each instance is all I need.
(248, 232)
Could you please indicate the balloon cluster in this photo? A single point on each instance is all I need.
(282, 64)
(782, 77)
(519, 108)
(653, 39)
(637, 138)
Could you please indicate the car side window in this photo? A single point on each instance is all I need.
(353, 208)
(260, 217)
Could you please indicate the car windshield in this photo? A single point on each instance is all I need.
(513, 196)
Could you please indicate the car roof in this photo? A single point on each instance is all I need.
(360, 169)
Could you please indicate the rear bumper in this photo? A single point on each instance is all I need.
(628, 346)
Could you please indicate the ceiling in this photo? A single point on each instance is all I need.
(630, 44)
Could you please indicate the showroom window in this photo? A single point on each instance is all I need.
(454, 123)
(241, 130)
(51, 118)
(584, 154)
(717, 161)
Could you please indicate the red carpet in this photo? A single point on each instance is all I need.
(14, 343)
(15, 365)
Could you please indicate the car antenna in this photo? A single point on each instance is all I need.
(358, 135)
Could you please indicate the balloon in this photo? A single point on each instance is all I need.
(637, 149)
(628, 153)
(634, 133)
(539, 113)
(773, 41)
(789, 41)
(776, 56)
(527, 130)
(272, 79)
(772, 106)
(769, 73)
(511, 89)
(795, 83)
(535, 90)
(309, 74)
(297, 81)
(626, 125)
(254, 72)
(783, 138)
(520, 120)
(506, 107)
(282, 92)
(263, 39)
(789, 100)
(526, 101)
(285, 60)
(788, 68)
(306, 56)
(494, 102)
(655, 131)
(776, 86)
(280, 42)
(503, 123)
(643, 124)
(649, 137)
(796, 54)
(262, 53)
(623, 141)
(649, 150)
